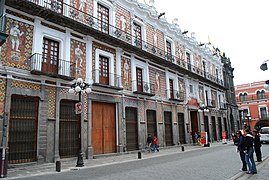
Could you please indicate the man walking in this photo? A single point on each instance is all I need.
(257, 145)
(240, 149)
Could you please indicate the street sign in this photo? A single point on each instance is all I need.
(78, 107)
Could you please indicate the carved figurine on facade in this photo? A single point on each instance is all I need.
(15, 34)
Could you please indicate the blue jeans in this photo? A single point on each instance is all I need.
(250, 160)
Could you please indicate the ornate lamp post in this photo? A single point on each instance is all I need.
(80, 86)
(203, 108)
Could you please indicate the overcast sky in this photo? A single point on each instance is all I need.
(240, 28)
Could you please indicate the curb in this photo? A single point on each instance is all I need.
(243, 175)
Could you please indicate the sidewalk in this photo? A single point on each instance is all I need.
(101, 160)
(262, 169)
(34, 169)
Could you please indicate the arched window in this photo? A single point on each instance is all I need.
(258, 95)
(263, 96)
(241, 97)
(245, 97)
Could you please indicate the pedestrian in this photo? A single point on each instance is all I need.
(257, 145)
(240, 149)
(149, 142)
(195, 138)
(155, 143)
(249, 150)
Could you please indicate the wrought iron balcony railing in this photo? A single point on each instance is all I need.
(175, 95)
(223, 106)
(104, 79)
(144, 88)
(211, 103)
(66, 10)
(42, 64)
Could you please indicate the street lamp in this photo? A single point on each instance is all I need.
(203, 108)
(248, 117)
(80, 86)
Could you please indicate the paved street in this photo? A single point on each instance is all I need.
(217, 162)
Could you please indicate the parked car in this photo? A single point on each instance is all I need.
(264, 132)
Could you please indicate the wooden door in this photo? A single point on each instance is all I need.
(131, 129)
(22, 138)
(151, 122)
(50, 56)
(103, 128)
(194, 124)
(103, 70)
(220, 127)
(171, 86)
(139, 79)
(181, 128)
(168, 128)
(214, 129)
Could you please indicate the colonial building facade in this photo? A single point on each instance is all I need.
(252, 99)
(146, 76)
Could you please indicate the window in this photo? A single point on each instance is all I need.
(103, 18)
(50, 56)
(188, 56)
(243, 97)
(139, 79)
(245, 113)
(138, 35)
(263, 112)
(171, 87)
(261, 94)
(191, 89)
(103, 70)
(169, 50)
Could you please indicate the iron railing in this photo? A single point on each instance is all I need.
(126, 36)
(223, 106)
(175, 95)
(43, 64)
(106, 79)
(144, 88)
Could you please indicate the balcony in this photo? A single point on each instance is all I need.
(211, 103)
(106, 80)
(144, 88)
(43, 65)
(176, 95)
(70, 17)
(3, 35)
(223, 106)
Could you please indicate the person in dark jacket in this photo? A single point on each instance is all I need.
(240, 149)
(249, 150)
(257, 145)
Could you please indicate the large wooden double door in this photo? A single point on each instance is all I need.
(103, 128)
(168, 128)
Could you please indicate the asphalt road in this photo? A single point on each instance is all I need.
(218, 163)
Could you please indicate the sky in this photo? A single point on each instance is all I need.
(240, 28)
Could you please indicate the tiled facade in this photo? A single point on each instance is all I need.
(46, 51)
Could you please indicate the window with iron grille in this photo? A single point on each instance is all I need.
(103, 18)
